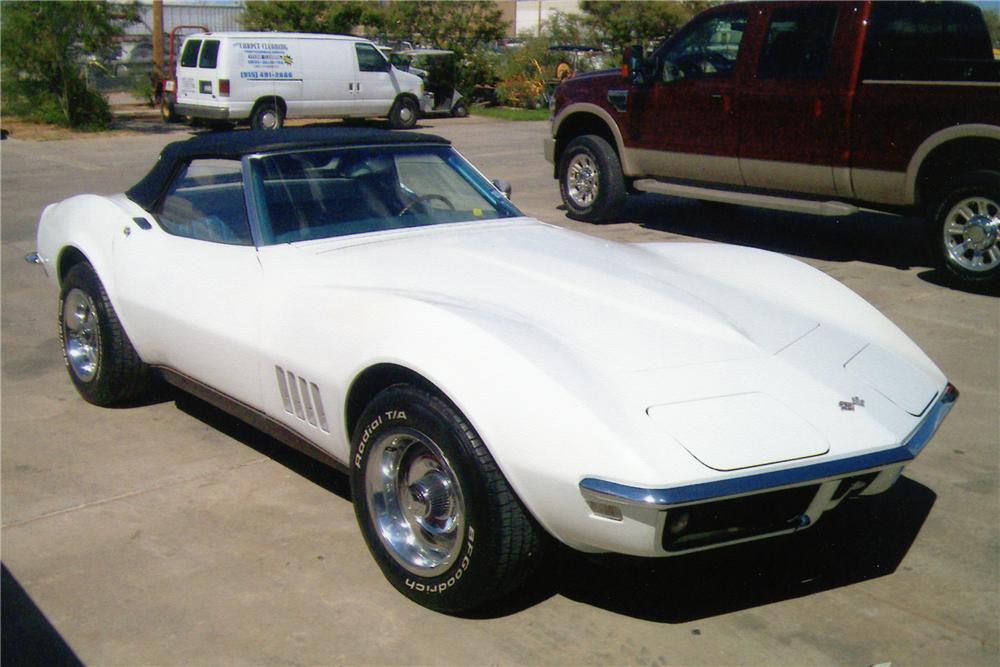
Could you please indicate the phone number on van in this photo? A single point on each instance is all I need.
(266, 75)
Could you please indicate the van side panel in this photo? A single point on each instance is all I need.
(328, 78)
(264, 68)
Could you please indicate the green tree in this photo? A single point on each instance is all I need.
(320, 16)
(47, 47)
(619, 24)
(992, 17)
(459, 26)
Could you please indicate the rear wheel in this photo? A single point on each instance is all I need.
(267, 116)
(460, 110)
(590, 179)
(965, 232)
(403, 115)
(101, 361)
(167, 112)
(437, 514)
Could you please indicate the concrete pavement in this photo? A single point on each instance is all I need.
(171, 534)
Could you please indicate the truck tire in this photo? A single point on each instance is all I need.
(436, 513)
(403, 114)
(590, 179)
(267, 116)
(965, 229)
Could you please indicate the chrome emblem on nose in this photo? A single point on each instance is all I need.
(855, 401)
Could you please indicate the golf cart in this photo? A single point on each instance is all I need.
(438, 70)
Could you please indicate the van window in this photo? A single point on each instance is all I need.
(370, 59)
(209, 54)
(798, 43)
(189, 58)
(205, 202)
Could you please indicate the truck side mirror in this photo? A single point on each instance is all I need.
(633, 65)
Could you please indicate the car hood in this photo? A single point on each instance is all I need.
(622, 306)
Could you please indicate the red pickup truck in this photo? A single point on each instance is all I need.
(816, 107)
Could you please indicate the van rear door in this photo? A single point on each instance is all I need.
(197, 76)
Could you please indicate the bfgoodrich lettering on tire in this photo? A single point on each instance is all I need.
(435, 511)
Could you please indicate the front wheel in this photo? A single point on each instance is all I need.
(438, 516)
(590, 179)
(459, 110)
(101, 361)
(966, 227)
(403, 115)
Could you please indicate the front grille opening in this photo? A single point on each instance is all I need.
(851, 486)
(728, 520)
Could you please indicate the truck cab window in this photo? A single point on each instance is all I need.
(798, 43)
(707, 48)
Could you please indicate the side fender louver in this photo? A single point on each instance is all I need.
(301, 398)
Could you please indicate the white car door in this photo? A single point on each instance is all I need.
(327, 67)
(188, 282)
(376, 87)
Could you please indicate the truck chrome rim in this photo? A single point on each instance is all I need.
(415, 502)
(81, 334)
(971, 231)
(581, 180)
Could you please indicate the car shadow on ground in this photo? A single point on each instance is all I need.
(28, 637)
(876, 238)
(862, 539)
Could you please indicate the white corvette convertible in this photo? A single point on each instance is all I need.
(485, 379)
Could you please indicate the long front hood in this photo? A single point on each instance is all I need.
(622, 306)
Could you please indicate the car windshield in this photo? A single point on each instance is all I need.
(323, 193)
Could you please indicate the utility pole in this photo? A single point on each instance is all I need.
(158, 39)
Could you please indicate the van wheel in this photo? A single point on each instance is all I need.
(403, 115)
(590, 179)
(267, 116)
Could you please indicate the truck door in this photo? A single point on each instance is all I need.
(790, 107)
(685, 123)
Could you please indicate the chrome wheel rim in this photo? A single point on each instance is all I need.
(581, 180)
(415, 502)
(81, 334)
(971, 231)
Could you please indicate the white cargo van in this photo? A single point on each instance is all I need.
(264, 77)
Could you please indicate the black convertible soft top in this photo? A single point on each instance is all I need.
(233, 145)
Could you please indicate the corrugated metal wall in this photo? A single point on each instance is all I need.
(216, 16)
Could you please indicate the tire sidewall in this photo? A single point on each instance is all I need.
(606, 201)
(461, 586)
(980, 183)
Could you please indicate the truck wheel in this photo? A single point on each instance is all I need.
(403, 114)
(966, 227)
(101, 361)
(590, 179)
(267, 116)
(436, 512)
(167, 112)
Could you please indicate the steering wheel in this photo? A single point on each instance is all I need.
(423, 198)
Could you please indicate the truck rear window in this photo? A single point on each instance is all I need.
(209, 54)
(189, 57)
(932, 41)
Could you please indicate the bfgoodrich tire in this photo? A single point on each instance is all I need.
(437, 514)
(590, 179)
(965, 230)
(403, 115)
(100, 359)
